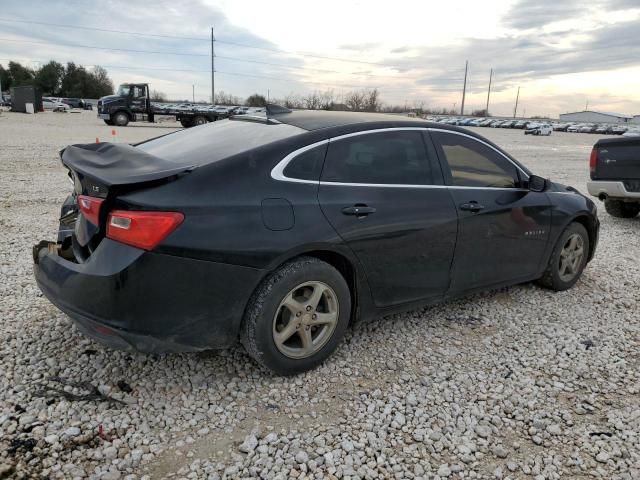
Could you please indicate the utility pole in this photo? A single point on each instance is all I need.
(515, 110)
(193, 92)
(464, 88)
(213, 79)
(586, 107)
(489, 93)
(268, 94)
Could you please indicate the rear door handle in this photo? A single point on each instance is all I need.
(358, 210)
(471, 206)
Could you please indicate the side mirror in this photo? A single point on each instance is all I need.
(537, 184)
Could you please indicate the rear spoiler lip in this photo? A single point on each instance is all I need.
(120, 162)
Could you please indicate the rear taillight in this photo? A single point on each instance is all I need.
(593, 160)
(90, 208)
(142, 229)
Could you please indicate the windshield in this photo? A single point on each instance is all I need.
(123, 90)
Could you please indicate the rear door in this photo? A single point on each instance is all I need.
(382, 192)
(503, 229)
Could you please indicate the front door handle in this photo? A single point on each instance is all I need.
(472, 206)
(359, 210)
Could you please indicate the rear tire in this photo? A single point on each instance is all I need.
(120, 119)
(620, 209)
(199, 120)
(186, 122)
(297, 317)
(568, 259)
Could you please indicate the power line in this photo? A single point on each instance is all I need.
(235, 59)
(226, 42)
(105, 48)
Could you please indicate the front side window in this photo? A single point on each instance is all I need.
(393, 158)
(473, 164)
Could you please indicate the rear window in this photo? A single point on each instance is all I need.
(216, 141)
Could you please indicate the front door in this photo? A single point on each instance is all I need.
(383, 194)
(503, 229)
(138, 99)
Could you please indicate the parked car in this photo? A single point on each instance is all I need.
(603, 129)
(75, 102)
(54, 105)
(632, 132)
(560, 127)
(574, 128)
(508, 124)
(520, 124)
(618, 129)
(538, 129)
(614, 168)
(158, 257)
(588, 128)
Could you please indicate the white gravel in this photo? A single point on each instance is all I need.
(518, 383)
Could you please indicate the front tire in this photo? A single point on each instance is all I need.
(297, 316)
(568, 259)
(120, 119)
(620, 209)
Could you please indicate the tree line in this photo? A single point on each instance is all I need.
(57, 80)
(365, 100)
(71, 80)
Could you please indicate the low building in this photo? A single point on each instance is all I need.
(20, 96)
(589, 116)
(636, 119)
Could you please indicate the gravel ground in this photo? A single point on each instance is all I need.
(517, 383)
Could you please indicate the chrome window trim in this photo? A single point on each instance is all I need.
(277, 173)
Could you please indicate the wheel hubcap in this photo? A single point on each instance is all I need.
(305, 319)
(571, 258)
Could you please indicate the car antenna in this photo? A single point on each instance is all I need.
(273, 109)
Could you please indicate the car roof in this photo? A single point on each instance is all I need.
(315, 120)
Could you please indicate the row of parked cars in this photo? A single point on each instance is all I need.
(221, 110)
(58, 104)
(544, 128)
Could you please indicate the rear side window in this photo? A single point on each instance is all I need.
(393, 158)
(473, 164)
(307, 165)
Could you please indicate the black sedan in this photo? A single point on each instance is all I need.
(281, 231)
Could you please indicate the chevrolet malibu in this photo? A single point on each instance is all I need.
(281, 231)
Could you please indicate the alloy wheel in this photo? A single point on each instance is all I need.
(305, 319)
(571, 257)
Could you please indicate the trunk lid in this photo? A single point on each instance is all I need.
(617, 159)
(106, 170)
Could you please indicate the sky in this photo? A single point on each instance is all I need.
(565, 55)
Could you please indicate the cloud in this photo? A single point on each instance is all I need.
(525, 14)
(359, 46)
(174, 73)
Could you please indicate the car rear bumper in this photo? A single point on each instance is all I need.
(131, 299)
(611, 189)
